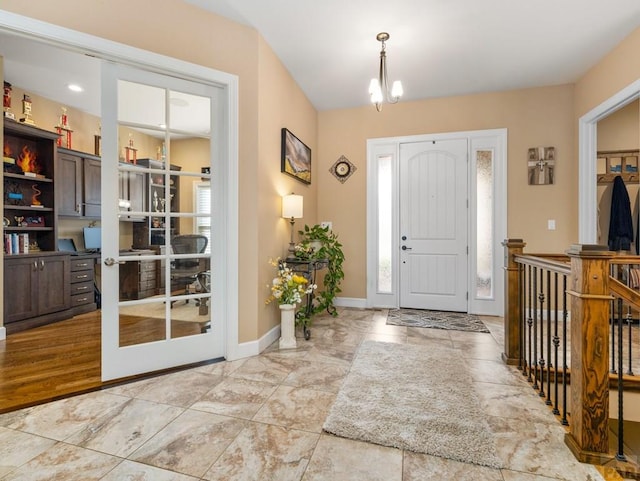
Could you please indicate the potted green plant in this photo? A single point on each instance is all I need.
(318, 242)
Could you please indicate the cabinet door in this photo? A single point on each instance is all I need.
(70, 186)
(132, 188)
(21, 288)
(54, 284)
(92, 187)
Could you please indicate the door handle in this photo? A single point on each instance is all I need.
(110, 261)
(405, 248)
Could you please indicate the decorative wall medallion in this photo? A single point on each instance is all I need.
(342, 169)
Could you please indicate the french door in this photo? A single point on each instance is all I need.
(160, 305)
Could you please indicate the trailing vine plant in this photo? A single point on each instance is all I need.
(329, 248)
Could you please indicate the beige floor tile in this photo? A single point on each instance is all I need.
(265, 452)
(265, 369)
(496, 372)
(346, 460)
(422, 467)
(323, 376)
(236, 397)
(130, 470)
(180, 389)
(65, 462)
(296, 408)
(121, 431)
(61, 419)
(191, 443)
(16, 448)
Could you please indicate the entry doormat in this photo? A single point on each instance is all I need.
(454, 321)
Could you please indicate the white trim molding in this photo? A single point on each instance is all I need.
(587, 158)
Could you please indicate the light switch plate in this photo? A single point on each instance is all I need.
(551, 224)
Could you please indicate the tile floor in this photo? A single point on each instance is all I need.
(261, 419)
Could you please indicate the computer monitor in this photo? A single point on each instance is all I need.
(92, 238)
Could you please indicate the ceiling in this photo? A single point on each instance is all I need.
(437, 48)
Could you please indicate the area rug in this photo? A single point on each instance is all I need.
(413, 397)
(455, 321)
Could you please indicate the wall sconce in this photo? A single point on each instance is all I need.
(292, 209)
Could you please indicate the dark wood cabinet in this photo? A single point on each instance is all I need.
(29, 181)
(37, 290)
(79, 190)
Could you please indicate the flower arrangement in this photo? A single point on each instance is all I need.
(288, 287)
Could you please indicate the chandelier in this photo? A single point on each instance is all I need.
(379, 88)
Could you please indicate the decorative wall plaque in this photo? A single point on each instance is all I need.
(342, 169)
(541, 163)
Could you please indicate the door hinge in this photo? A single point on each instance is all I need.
(467, 296)
(467, 250)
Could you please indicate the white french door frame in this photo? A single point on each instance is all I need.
(226, 135)
(495, 140)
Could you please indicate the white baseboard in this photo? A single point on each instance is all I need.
(3, 333)
(253, 348)
(350, 302)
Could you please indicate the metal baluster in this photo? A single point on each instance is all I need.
(565, 421)
(542, 363)
(612, 316)
(534, 359)
(620, 454)
(629, 323)
(529, 323)
(556, 343)
(549, 364)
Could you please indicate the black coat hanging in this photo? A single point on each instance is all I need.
(620, 222)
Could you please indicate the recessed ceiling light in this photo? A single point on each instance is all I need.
(75, 88)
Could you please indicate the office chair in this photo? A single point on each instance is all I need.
(184, 272)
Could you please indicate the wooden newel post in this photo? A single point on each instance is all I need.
(588, 438)
(512, 301)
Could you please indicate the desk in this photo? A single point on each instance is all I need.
(309, 269)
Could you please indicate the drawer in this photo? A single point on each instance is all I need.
(147, 266)
(147, 276)
(146, 285)
(81, 276)
(142, 294)
(82, 299)
(82, 288)
(81, 264)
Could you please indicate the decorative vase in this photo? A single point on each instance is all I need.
(287, 326)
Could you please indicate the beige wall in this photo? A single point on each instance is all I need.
(281, 104)
(268, 100)
(533, 117)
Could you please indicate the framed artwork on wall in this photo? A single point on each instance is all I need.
(296, 157)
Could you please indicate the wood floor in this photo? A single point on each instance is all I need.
(60, 359)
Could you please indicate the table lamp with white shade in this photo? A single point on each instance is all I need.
(292, 209)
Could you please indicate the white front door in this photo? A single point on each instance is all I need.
(433, 225)
(158, 307)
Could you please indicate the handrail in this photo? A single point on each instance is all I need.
(629, 295)
(544, 262)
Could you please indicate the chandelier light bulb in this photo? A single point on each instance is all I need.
(396, 89)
